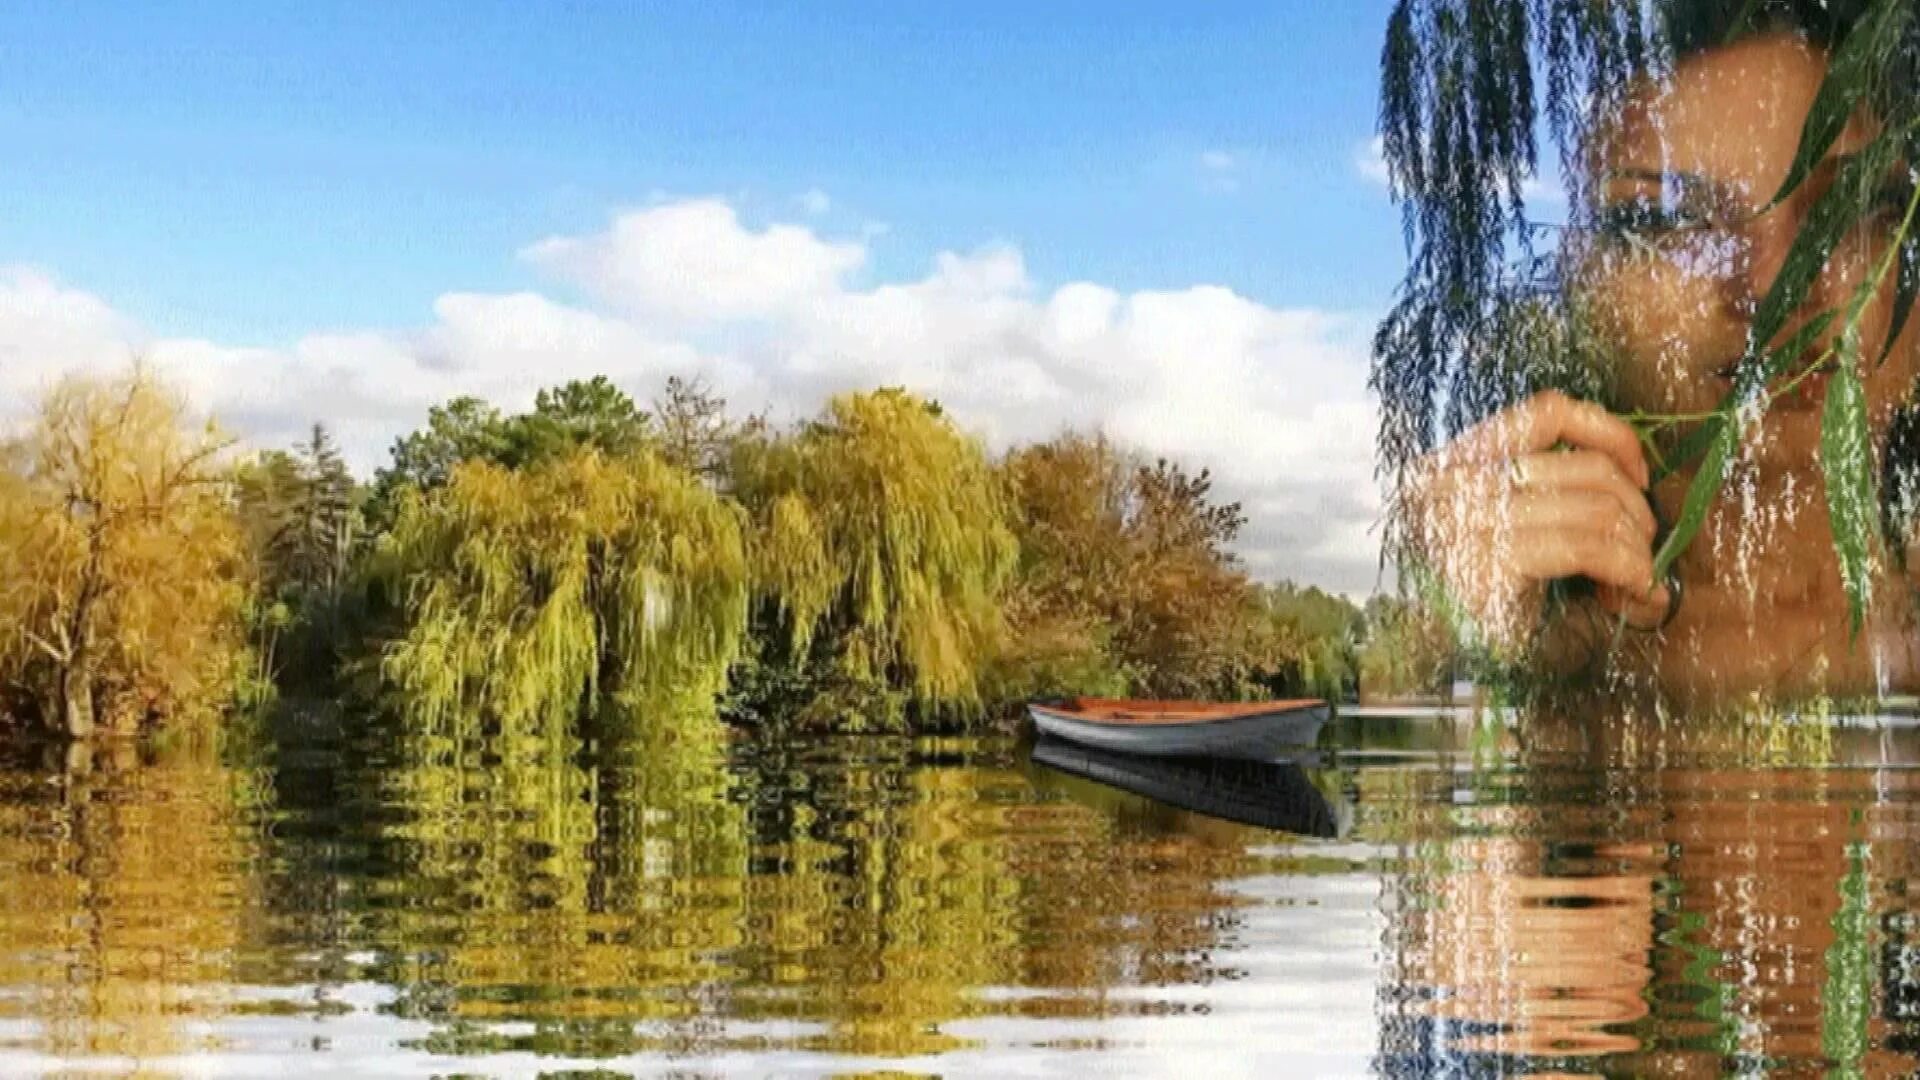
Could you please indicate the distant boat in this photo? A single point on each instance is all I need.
(1258, 730)
(1270, 795)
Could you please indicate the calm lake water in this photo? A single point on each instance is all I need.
(1634, 902)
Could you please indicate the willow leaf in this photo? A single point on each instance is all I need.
(1906, 291)
(1839, 208)
(1847, 462)
(1850, 76)
(1725, 434)
(1777, 358)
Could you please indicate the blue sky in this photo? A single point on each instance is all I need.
(253, 171)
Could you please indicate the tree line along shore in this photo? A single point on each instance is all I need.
(596, 561)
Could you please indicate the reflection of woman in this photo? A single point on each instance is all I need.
(1667, 268)
(1658, 922)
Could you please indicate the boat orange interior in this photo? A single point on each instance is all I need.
(1147, 711)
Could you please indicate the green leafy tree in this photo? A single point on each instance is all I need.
(528, 594)
(880, 546)
(1306, 642)
(1407, 648)
(582, 413)
(301, 511)
(463, 429)
(591, 412)
(301, 508)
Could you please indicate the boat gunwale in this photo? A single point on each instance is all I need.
(1114, 712)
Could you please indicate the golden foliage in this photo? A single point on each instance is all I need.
(126, 899)
(1124, 573)
(882, 526)
(625, 901)
(527, 593)
(122, 569)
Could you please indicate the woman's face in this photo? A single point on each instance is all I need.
(1678, 259)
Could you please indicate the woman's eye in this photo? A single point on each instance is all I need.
(1892, 201)
(1650, 218)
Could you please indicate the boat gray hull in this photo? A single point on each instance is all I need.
(1258, 738)
(1272, 795)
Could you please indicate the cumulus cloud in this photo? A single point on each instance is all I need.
(694, 260)
(46, 327)
(1272, 400)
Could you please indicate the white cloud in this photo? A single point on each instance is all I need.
(1272, 400)
(694, 260)
(1216, 160)
(1370, 161)
(46, 327)
(814, 202)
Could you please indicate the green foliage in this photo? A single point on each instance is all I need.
(1308, 642)
(526, 594)
(1407, 649)
(1846, 1016)
(1722, 440)
(879, 534)
(1851, 499)
(302, 515)
(1857, 76)
(591, 413)
(463, 429)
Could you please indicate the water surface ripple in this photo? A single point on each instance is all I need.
(1446, 904)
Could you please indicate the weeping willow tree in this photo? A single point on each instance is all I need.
(880, 548)
(528, 594)
(1469, 89)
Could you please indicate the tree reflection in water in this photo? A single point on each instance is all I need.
(1653, 903)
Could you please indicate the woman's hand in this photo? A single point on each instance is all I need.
(1500, 511)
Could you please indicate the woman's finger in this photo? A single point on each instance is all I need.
(1607, 558)
(1575, 511)
(1642, 610)
(1585, 479)
(1549, 418)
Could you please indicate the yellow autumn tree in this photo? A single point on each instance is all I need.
(880, 548)
(1126, 580)
(123, 575)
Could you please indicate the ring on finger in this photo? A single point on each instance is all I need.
(1517, 472)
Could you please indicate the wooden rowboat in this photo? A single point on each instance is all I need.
(1258, 730)
(1272, 795)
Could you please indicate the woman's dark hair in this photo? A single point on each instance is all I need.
(1466, 87)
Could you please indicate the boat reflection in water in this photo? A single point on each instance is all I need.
(1270, 794)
